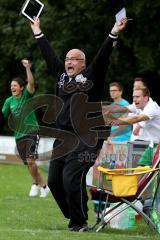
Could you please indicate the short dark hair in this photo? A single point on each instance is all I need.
(141, 79)
(116, 84)
(20, 81)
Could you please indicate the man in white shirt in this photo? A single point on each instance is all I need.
(147, 114)
(144, 111)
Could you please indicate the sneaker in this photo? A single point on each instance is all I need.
(71, 225)
(83, 228)
(44, 191)
(34, 190)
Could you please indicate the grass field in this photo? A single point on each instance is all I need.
(25, 218)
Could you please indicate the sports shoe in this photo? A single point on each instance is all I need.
(44, 191)
(71, 225)
(82, 228)
(34, 191)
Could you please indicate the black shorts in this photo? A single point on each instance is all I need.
(27, 147)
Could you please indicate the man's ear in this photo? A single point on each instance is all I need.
(146, 98)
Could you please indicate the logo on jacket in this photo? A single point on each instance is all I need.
(79, 83)
(80, 78)
(62, 80)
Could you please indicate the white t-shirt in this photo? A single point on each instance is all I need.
(150, 129)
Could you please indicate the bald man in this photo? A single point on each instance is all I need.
(75, 85)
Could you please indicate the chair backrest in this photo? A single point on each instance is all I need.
(148, 177)
(156, 158)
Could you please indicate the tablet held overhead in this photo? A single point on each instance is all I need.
(31, 9)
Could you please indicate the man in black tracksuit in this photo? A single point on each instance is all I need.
(76, 86)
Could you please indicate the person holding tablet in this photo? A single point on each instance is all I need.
(31, 9)
(74, 82)
(26, 138)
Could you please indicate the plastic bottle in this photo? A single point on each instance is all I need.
(124, 219)
(112, 161)
(127, 219)
(114, 222)
(112, 164)
(131, 218)
(121, 220)
(156, 220)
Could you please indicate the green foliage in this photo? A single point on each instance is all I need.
(82, 24)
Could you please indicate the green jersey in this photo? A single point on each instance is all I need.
(23, 120)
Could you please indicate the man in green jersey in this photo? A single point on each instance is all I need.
(25, 127)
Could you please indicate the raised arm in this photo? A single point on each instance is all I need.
(101, 60)
(54, 64)
(30, 79)
(98, 68)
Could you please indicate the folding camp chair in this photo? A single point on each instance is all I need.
(133, 194)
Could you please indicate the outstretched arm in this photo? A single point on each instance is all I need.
(134, 119)
(99, 66)
(128, 120)
(30, 79)
(115, 109)
(54, 64)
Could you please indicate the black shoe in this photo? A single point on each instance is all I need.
(82, 228)
(71, 225)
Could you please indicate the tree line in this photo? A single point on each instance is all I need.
(85, 25)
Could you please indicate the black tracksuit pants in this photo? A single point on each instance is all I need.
(67, 182)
